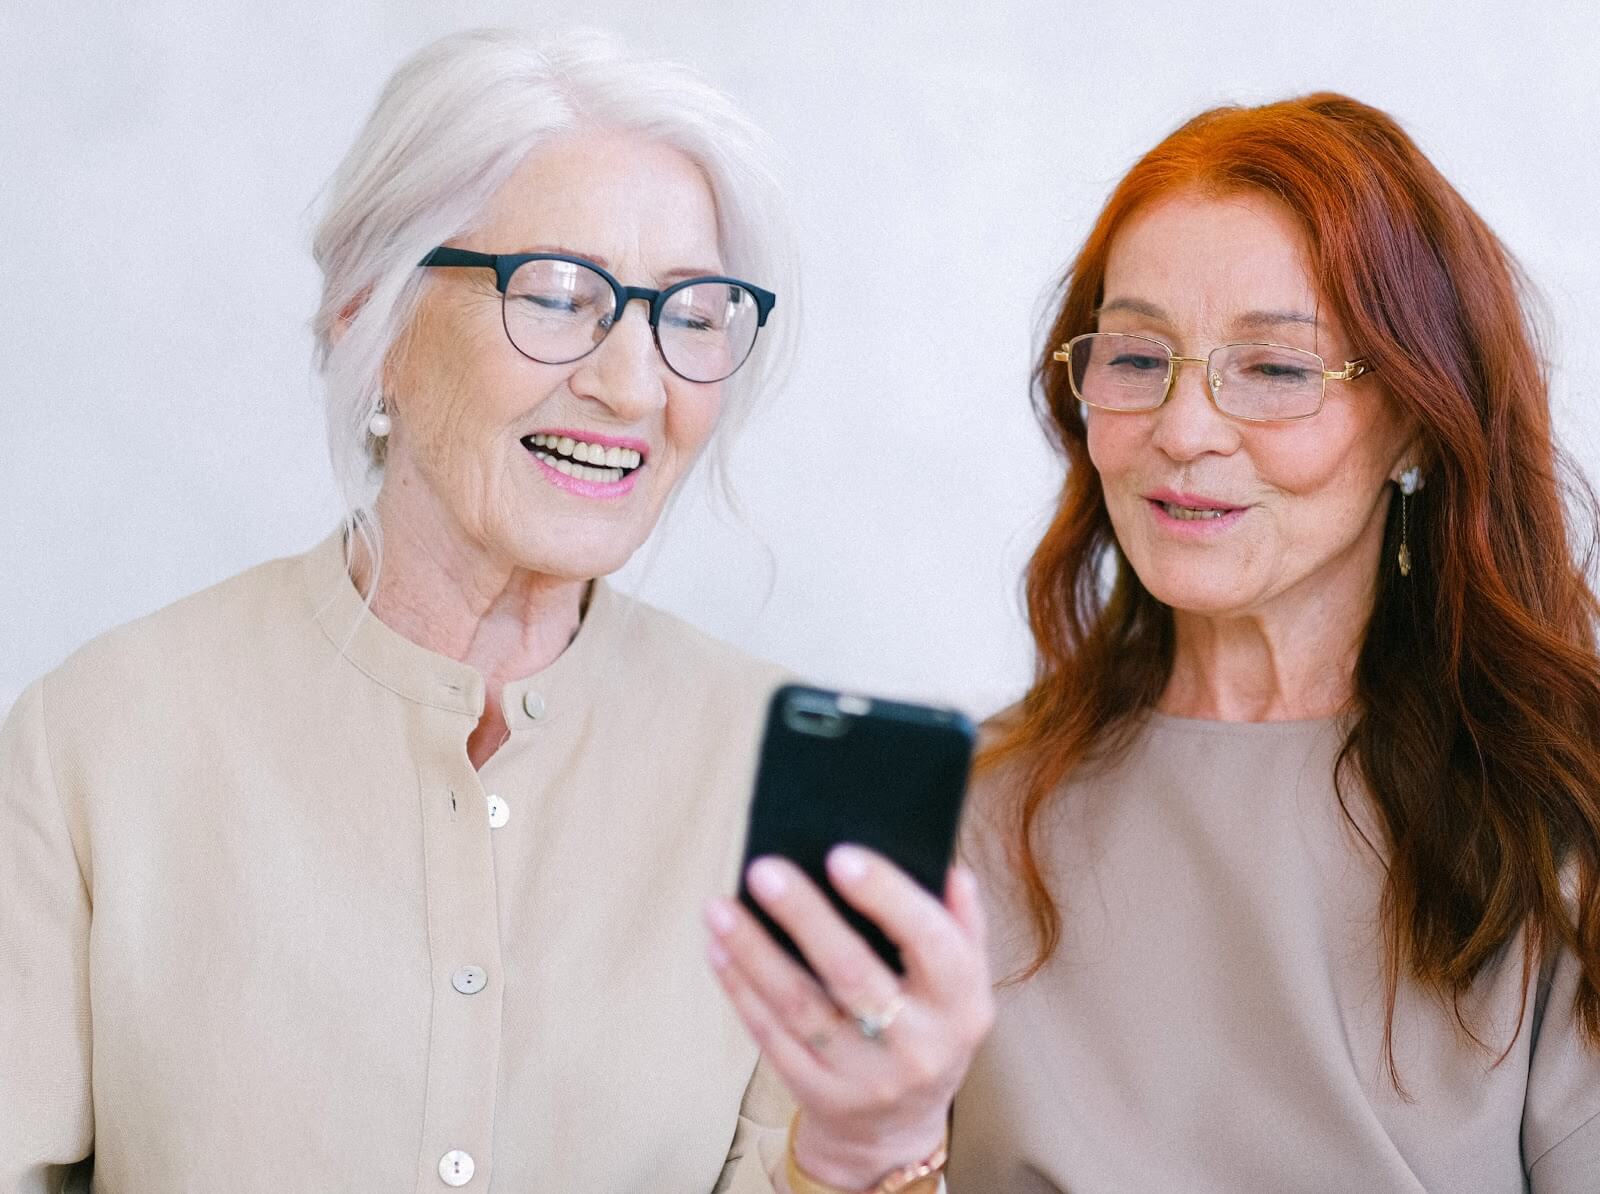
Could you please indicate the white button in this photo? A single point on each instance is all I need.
(499, 812)
(456, 1167)
(469, 980)
(533, 704)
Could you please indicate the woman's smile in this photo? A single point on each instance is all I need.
(1192, 515)
(587, 464)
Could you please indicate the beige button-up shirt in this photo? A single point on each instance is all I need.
(264, 928)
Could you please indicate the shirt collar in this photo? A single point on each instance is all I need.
(428, 678)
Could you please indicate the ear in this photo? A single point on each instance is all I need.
(1413, 454)
(347, 315)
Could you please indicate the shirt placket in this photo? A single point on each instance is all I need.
(465, 959)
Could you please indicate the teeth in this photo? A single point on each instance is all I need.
(1190, 513)
(579, 452)
(583, 472)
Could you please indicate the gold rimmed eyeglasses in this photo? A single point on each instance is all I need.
(1259, 383)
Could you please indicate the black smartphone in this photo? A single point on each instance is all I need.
(836, 767)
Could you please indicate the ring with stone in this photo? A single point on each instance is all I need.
(873, 1025)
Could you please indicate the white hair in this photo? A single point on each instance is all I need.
(452, 124)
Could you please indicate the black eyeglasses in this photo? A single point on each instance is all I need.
(557, 309)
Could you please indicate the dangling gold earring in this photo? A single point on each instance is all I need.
(1410, 482)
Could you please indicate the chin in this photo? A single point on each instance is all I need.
(1192, 594)
(576, 559)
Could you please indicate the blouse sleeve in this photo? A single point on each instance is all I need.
(47, 1121)
(761, 1136)
(1561, 1114)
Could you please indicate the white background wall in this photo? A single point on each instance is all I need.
(159, 426)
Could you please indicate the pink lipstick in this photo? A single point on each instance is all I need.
(1192, 514)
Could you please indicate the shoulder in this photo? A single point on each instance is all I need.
(992, 810)
(686, 704)
(1000, 776)
(1018, 781)
(665, 648)
(158, 653)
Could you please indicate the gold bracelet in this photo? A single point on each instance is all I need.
(920, 1177)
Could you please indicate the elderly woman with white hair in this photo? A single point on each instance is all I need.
(384, 867)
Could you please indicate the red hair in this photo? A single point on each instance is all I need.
(1475, 712)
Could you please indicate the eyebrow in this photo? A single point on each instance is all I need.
(1275, 318)
(1134, 307)
(667, 276)
(1250, 319)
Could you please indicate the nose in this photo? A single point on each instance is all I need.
(625, 373)
(1188, 424)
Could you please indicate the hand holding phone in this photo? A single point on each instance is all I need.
(872, 1045)
(835, 768)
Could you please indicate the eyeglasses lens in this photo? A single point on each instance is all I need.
(1119, 372)
(707, 330)
(1266, 381)
(557, 311)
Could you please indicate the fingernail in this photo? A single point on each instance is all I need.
(720, 917)
(767, 879)
(847, 863)
(718, 955)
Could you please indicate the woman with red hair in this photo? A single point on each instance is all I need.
(1297, 831)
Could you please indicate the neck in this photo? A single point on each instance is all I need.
(1273, 666)
(460, 600)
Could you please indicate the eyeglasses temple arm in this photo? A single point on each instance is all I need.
(444, 255)
(1351, 371)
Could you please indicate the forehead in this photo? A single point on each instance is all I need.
(1192, 252)
(629, 202)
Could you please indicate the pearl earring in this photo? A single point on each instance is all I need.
(1410, 482)
(380, 424)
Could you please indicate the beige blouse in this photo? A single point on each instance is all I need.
(264, 928)
(1213, 1020)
